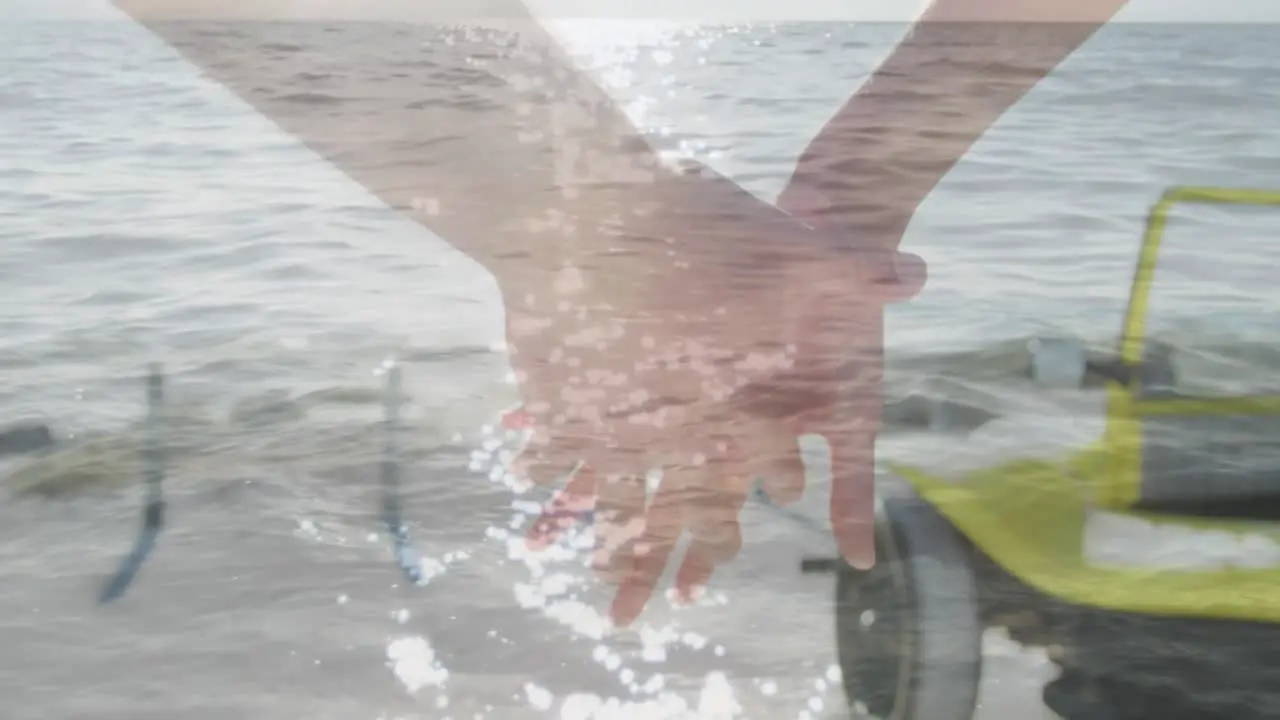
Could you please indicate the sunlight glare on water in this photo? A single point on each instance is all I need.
(601, 39)
(414, 663)
(552, 589)
(556, 579)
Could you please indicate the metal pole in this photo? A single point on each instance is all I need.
(392, 515)
(153, 461)
(154, 449)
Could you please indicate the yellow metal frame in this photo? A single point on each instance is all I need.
(1125, 410)
(1029, 516)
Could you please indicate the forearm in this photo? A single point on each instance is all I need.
(962, 67)
(475, 127)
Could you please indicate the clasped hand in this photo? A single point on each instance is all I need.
(678, 358)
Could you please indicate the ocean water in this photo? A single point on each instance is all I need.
(149, 215)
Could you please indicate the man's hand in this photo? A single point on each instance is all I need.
(697, 341)
(864, 175)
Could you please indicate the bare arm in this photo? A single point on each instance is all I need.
(961, 68)
(474, 123)
(467, 117)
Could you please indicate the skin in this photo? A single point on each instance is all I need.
(659, 318)
(878, 158)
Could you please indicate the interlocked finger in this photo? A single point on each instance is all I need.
(575, 502)
(639, 567)
(618, 525)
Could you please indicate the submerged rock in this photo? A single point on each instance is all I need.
(25, 438)
(100, 463)
(272, 428)
(112, 460)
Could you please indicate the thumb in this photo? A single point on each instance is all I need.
(907, 279)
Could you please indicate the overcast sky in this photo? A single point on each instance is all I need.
(705, 10)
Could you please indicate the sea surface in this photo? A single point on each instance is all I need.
(147, 215)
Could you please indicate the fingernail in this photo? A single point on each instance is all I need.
(863, 559)
(859, 553)
(691, 595)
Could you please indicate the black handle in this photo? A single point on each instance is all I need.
(819, 565)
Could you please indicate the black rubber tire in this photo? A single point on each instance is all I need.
(908, 631)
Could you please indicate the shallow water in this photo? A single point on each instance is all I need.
(149, 215)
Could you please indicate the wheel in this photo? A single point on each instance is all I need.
(908, 631)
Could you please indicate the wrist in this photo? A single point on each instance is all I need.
(599, 228)
(684, 236)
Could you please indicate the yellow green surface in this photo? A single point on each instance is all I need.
(1030, 516)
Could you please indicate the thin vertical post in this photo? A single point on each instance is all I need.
(154, 449)
(392, 515)
(153, 464)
